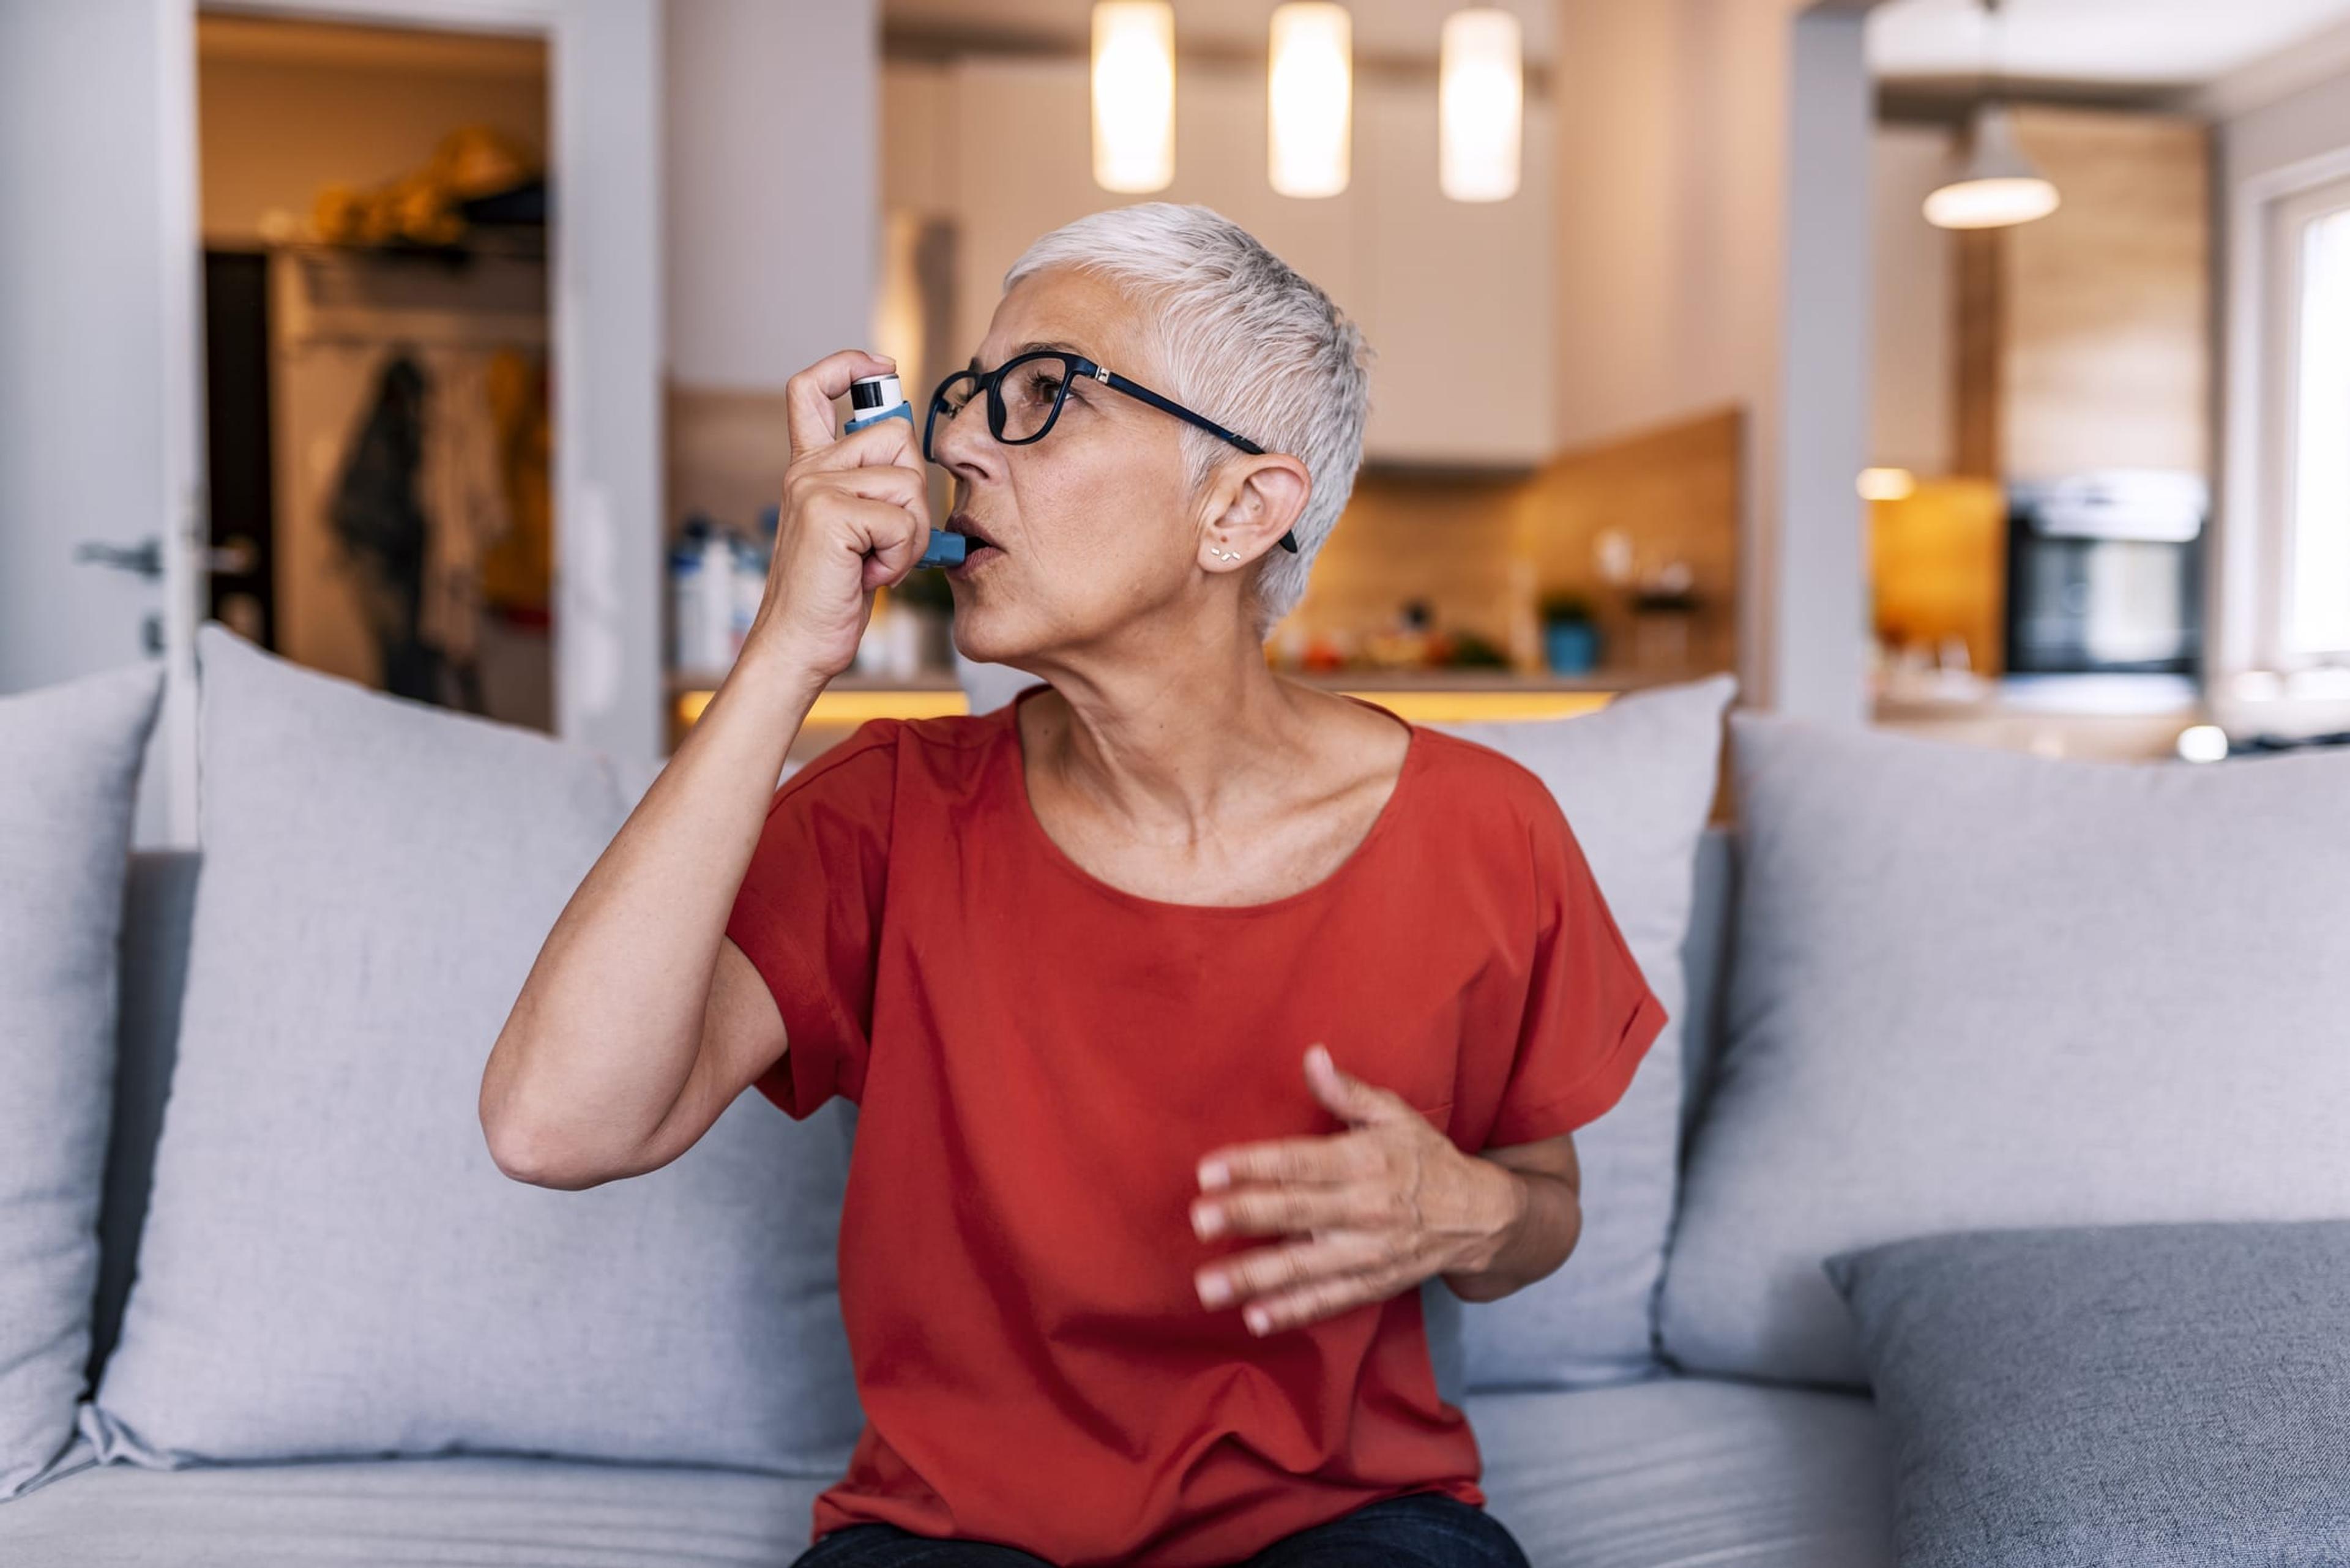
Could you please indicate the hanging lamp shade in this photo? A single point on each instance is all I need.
(1310, 92)
(1480, 105)
(1999, 187)
(1134, 95)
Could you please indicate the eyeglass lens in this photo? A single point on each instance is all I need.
(1026, 392)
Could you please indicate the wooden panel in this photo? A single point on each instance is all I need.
(1982, 330)
(1447, 540)
(2106, 344)
(1483, 550)
(727, 453)
(1674, 492)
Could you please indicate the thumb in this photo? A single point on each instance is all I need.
(1348, 1098)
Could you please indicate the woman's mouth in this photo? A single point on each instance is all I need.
(981, 549)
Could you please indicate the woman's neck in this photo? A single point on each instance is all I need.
(1173, 742)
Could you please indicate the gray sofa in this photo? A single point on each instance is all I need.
(1948, 1019)
(1667, 1470)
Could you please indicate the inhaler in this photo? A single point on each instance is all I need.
(871, 400)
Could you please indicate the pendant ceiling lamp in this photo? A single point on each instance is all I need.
(1999, 187)
(1134, 95)
(1480, 105)
(1310, 99)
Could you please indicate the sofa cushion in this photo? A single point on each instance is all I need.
(70, 760)
(463, 1512)
(1680, 1472)
(1634, 780)
(2060, 1397)
(1976, 989)
(331, 1264)
(1674, 1472)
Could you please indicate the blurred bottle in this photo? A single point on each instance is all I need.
(747, 566)
(701, 599)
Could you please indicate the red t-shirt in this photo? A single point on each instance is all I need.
(1040, 1060)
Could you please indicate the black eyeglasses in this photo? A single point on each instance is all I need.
(1024, 395)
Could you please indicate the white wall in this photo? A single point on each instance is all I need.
(2264, 153)
(1454, 297)
(1671, 138)
(2307, 124)
(1915, 279)
(772, 178)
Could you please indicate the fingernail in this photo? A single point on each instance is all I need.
(1208, 1222)
(1215, 1290)
(1213, 1174)
(1256, 1319)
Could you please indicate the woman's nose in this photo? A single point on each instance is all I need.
(960, 443)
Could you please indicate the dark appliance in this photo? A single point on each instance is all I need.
(2105, 573)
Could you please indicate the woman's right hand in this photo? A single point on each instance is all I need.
(855, 516)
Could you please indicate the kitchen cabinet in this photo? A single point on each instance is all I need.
(1454, 297)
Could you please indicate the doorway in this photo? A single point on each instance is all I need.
(375, 209)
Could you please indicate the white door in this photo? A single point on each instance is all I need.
(100, 463)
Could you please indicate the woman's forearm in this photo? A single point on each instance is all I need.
(607, 1028)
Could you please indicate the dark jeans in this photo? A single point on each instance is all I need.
(1419, 1529)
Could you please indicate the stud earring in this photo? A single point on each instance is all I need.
(1227, 554)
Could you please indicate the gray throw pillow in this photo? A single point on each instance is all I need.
(70, 760)
(1635, 782)
(1975, 989)
(332, 1265)
(2148, 1394)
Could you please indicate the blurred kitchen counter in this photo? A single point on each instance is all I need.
(2108, 718)
(1430, 696)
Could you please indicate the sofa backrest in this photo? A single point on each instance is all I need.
(159, 899)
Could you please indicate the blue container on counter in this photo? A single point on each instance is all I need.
(1571, 647)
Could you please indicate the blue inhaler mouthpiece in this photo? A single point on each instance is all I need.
(871, 400)
(944, 549)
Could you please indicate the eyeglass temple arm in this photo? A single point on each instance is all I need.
(1134, 389)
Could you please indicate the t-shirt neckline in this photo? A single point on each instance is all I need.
(1025, 811)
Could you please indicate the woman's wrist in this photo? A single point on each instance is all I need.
(774, 677)
(1521, 1209)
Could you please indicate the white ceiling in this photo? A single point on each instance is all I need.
(1393, 28)
(2180, 42)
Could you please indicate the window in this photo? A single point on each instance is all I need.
(2310, 457)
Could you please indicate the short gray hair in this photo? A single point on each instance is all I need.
(1245, 341)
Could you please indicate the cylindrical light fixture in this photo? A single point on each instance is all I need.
(1134, 95)
(1480, 105)
(1999, 187)
(1310, 93)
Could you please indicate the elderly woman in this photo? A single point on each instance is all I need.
(1196, 1015)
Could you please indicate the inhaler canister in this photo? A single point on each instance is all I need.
(871, 400)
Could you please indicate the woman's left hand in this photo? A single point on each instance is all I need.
(1372, 1211)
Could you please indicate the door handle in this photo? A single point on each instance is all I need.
(240, 556)
(145, 558)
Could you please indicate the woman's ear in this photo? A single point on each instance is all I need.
(1254, 502)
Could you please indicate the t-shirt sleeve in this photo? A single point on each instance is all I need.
(1589, 1015)
(808, 915)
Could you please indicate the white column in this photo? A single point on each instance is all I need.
(773, 122)
(1813, 607)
